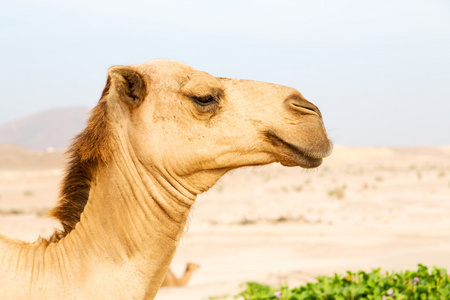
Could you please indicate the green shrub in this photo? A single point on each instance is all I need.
(420, 284)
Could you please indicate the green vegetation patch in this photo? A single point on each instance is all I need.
(420, 284)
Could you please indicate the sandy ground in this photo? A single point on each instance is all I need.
(363, 208)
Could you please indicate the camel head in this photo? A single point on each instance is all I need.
(190, 267)
(196, 127)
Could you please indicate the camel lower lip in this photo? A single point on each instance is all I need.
(296, 156)
(300, 160)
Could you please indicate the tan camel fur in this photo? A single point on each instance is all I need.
(161, 134)
(172, 280)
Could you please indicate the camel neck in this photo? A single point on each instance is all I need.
(184, 280)
(131, 225)
(140, 196)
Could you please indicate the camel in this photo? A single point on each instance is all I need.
(161, 133)
(171, 280)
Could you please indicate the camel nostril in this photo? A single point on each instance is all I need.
(300, 105)
(304, 107)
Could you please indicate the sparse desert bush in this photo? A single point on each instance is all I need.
(324, 171)
(28, 193)
(12, 211)
(338, 192)
(246, 221)
(297, 188)
(266, 178)
(415, 285)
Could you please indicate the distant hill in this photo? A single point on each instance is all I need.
(50, 129)
(15, 157)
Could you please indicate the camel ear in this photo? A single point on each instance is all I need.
(128, 85)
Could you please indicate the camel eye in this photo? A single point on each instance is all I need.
(204, 100)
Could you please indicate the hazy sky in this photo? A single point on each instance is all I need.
(379, 70)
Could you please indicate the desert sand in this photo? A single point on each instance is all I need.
(364, 208)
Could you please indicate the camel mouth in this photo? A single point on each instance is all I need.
(291, 155)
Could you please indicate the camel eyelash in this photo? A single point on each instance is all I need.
(204, 100)
(206, 104)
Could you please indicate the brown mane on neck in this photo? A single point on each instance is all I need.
(88, 150)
